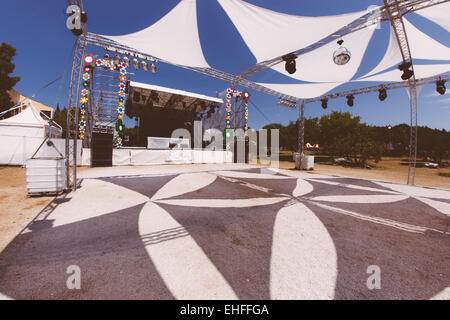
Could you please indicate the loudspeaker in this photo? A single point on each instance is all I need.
(101, 149)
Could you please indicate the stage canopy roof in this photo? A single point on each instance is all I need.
(168, 98)
(269, 34)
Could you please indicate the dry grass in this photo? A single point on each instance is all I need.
(17, 210)
(389, 169)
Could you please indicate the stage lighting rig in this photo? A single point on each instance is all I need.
(407, 72)
(290, 66)
(324, 103)
(350, 100)
(382, 94)
(440, 86)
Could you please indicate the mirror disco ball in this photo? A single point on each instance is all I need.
(341, 56)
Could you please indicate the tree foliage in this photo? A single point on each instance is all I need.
(7, 53)
(343, 135)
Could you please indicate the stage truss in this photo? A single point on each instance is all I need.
(392, 11)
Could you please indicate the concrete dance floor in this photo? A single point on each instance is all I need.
(233, 232)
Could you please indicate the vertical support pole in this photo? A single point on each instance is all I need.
(72, 113)
(77, 103)
(69, 119)
(301, 129)
(413, 132)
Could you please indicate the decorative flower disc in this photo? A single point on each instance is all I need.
(84, 100)
(122, 78)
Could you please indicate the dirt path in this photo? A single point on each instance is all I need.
(17, 210)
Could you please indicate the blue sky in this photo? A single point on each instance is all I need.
(37, 29)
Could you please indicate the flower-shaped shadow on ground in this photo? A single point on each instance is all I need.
(241, 234)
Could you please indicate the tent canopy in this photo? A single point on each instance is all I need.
(269, 34)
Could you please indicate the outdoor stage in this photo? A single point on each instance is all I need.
(226, 231)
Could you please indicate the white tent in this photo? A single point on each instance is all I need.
(22, 134)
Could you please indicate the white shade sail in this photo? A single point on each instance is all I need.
(421, 71)
(318, 65)
(439, 14)
(421, 47)
(424, 47)
(173, 38)
(392, 57)
(269, 34)
(302, 90)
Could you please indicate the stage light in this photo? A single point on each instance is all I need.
(106, 56)
(144, 66)
(382, 94)
(126, 61)
(153, 68)
(407, 72)
(324, 103)
(341, 56)
(290, 66)
(440, 87)
(116, 59)
(136, 64)
(350, 99)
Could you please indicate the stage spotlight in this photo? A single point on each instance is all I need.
(153, 68)
(126, 61)
(350, 99)
(407, 72)
(290, 63)
(144, 66)
(341, 56)
(136, 64)
(382, 94)
(440, 87)
(324, 103)
(116, 59)
(106, 56)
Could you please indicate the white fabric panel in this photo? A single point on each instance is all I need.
(424, 47)
(318, 65)
(173, 38)
(121, 157)
(86, 157)
(270, 34)
(302, 90)
(421, 71)
(392, 57)
(439, 14)
(15, 150)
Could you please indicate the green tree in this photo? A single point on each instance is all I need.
(7, 53)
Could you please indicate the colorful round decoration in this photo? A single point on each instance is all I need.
(229, 90)
(84, 92)
(84, 100)
(86, 84)
(121, 93)
(82, 110)
(120, 116)
(228, 110)
(82, 124)
(105, 63)
(120, 110)
(86, 76)
(87, 69)
(98, 62)
(121, 99)
(112, 67)
(123, 71)
(228, 95)
(81, 136)
(88, 59)
(121, 104)
(122, 85)
(122, 78)
(82, 130)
